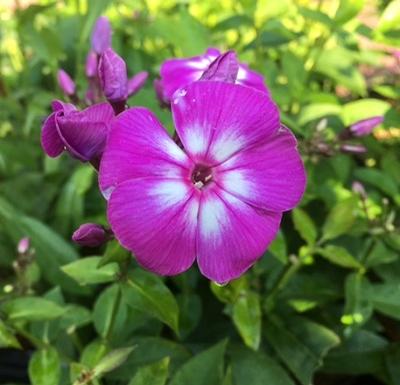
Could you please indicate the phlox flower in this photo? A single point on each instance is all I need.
(216, 195)
(82, 133)
(178, 73)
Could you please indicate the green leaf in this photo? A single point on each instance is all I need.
(300, 344)
(154, 374)
(362, 109)
(190, 312)
(75, 316)
(362, 353)
(86, 271)
(246, 315)
(207, 366)
(348, 10)
(390, 18)
(107, 306)
(378, 179)
(94, 352)
(32, 309)
(392, 359)
(293, 67)
(112, 361)
(253, 368)
(380, 254)
(339, 256)
(148, 351)
(385, 298)
(148, 293)
(7, 338)
(278, 247)
(45, 367)
(52, 251)
(340, 219)
(304, 225)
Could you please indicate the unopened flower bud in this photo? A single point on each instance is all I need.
(91, 235)
(65, 82)
(91, 65)
(135, 83)
(353, 148)
(113, 79)
(365, 126)
(358, 188)
(23, 245)
(101, 35)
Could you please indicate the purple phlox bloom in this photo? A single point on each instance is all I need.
(82, 133)
(101, 35)
(23, 245)
(353, 148)
(114, 79)
(91, 64)
(219, 199)
(366, 126)
(178, 73)
(91, 235)
(224, 68)
(65, 82)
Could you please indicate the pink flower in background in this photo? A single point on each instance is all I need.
(218, 199)
(178, 73)
(82, 133)
(365, 126)
(65, 82)
(101, 35)
(23, 245)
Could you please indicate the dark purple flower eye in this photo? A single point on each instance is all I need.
(101, 35)
(65, 82)
(91, 235)
(218, 198)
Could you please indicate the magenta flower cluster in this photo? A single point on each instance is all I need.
(213, 193)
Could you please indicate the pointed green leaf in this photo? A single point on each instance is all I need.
(339, 256)
(112, 360)
(86, 271)
(7, 338)
(148, 293)
(153, 374)
(304, 225)
(45, 367)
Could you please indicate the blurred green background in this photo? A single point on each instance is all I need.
(322, 307)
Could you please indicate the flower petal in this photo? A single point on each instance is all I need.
(84, 133)
(51, 141)
(177, 73)
(270, 176)
(139, 146)
(231, 235)
(250, 78)
(156, 219)
(215, 120)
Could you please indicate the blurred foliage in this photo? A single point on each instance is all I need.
(322, 306)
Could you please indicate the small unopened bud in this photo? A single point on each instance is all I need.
(65, 82)
(358, 188)
(113, 79)
(23, 245)
(91, 235)
(91, 65)
(353, 148)
(101, 35)
(365, 126)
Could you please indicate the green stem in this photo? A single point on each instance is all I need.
(113, 314)
(285, 276)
